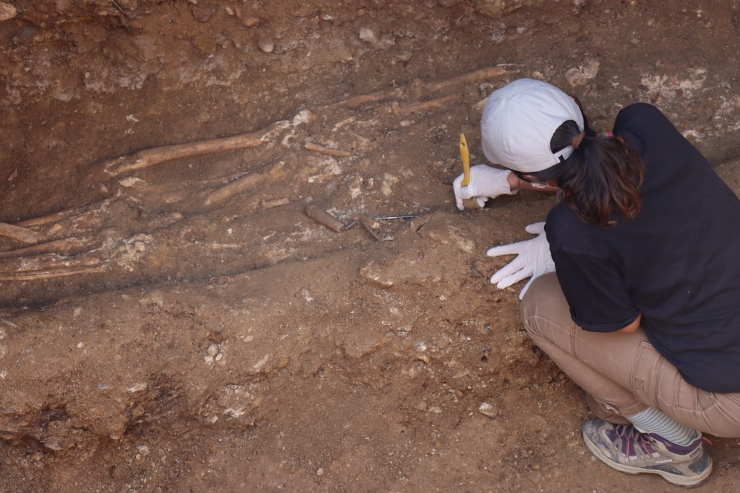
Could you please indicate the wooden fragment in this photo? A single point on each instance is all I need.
(326, 150)
(150, 157)
(324, 218)
(19, 233)
(238, 186)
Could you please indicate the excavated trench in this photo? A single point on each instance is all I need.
(182, 325)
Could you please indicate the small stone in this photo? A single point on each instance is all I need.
(208, 359)
(251, 21)
(404, 56)
(212, 350)
(7, 11)
(488, 409)
(320, 471)
(575, 77)
(80, 345)
(421, 347)
(203, 13)
(143, 450)
(590, 68)
(218, 357)
(435, 410)
(266, 45)
(578, 76)
(368, 35)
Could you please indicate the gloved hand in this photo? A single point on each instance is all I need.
(533, 259)
(485, 183)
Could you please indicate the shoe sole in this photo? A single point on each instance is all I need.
(687, 482)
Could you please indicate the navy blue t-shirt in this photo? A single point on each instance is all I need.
(677, 262)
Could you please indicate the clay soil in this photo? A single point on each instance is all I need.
(157, 337)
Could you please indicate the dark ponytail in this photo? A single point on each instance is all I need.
(601, 178)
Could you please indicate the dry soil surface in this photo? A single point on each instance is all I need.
(183, 326)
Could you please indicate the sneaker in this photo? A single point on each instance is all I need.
(625, 449)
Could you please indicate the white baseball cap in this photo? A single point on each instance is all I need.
(518, 123)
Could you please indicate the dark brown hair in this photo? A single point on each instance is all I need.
(601, 179)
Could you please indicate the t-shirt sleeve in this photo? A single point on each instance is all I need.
(595, 290)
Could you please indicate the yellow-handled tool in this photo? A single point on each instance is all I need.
(465, 155)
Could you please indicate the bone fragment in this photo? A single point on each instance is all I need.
(484, 73)
(366, 219)
(7, 11)
(326, 150)
(48, 266)
(271, 204)
(324, 218)
(428, 105)
(19, 233)
(51, 218)
(150, 157)
(32, 276)
(66, 246)
(373, 97)
(238, 186)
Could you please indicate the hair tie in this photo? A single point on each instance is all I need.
(578, 139)
(606, 135)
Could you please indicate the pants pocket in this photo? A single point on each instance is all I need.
(646, 374)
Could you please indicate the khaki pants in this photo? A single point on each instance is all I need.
(622, 373)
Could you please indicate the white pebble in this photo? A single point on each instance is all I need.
(320, 471)
(80, 345)
(143, 450)
(488, 409)
(137, 387)
(266, 45)
(212, 350)
(368, 35)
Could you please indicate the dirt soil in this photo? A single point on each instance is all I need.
(185, 327)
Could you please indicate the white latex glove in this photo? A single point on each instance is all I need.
(533, 259)
(485, 183)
